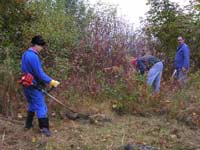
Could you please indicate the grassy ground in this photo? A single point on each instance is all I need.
(156, 131)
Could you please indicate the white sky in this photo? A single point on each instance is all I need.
(133, 9)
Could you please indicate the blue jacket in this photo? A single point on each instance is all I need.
(146, 62)
(31, 64)
(182, 57)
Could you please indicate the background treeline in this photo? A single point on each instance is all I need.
(85, 41)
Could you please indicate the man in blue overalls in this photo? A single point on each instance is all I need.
(31, 64)
(182, 61)
(154, 67)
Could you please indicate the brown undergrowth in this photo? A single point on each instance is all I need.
(167, 121)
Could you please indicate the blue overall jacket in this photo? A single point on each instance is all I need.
(182, 57)
(31, 64)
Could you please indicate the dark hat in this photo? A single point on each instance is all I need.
(38, 40)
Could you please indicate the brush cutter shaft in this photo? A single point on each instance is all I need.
(174, 73)
(56, 100)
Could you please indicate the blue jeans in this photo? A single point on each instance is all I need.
(154, 76)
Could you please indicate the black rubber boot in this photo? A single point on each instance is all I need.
(29, 120)
(44, 126)
(43, 123)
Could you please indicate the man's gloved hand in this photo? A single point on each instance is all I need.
(54, 83)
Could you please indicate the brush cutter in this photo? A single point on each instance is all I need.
(27, 80)
(71, 114)
(55, 99)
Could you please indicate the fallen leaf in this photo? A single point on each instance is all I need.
(173, 136)
(114, 106)
(194, 114)
(19, 116)
(33, 140)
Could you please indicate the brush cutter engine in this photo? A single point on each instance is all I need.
(26, 80)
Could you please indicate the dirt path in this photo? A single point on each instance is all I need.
(69, 135)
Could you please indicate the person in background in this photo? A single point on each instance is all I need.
(182, 61)
(31, 68)
(154, 67)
